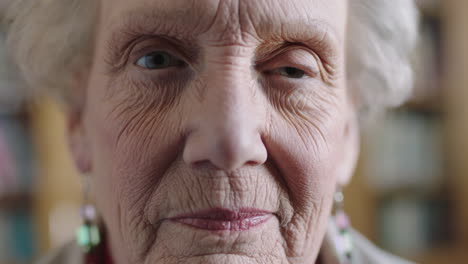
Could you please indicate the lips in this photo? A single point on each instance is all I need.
(221, 219)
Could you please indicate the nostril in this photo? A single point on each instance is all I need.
(204, 165)
(251, 163)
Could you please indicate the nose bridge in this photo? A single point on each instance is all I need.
(230, 97)
(228, 133)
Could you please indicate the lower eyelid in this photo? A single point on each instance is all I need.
(167, 75)
(276, 72)
(180, 65)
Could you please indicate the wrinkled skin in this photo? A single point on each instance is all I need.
(222, 125)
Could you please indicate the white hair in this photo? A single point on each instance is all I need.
(50, 40)
(381, 37)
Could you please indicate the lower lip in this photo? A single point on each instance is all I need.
(237, 224)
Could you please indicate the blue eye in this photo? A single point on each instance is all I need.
(291, 72)
(158, 60)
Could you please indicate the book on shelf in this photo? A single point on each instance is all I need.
(16, 158)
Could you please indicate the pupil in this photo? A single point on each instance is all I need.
(291, 71)
(158, 59)
(294, 72)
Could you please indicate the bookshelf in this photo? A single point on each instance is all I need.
(447, 109)
(17, 167)
(16, 200)
(17, 230)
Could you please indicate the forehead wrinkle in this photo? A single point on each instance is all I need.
(225, 18)
(146, 21)
(292, 20)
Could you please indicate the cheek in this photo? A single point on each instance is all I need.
(304, 143)
(132, 127)
(133, 144)
(306, 133)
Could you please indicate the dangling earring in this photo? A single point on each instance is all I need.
(342, 239)
(88, 236)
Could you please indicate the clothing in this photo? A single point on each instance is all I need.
(364, 252)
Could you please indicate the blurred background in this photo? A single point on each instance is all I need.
(409, 194)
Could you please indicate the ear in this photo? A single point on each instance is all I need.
(351, 148)
(75, 127)
(77, 141)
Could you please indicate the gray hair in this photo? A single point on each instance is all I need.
(50, 41)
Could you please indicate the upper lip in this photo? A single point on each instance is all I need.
(223, 214)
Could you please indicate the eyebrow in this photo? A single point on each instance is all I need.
(151, 21)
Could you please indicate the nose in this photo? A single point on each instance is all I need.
(227, 125)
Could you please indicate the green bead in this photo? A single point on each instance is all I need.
(87, 236)
(348, 242)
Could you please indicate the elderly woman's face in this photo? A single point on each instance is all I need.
(216, 131)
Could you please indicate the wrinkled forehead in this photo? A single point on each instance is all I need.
(227, 20)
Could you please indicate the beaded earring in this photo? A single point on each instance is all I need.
(342, 239)
(88, 236)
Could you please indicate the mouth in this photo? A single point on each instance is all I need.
(221, 219)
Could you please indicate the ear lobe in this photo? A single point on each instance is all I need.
(350, 152)
(77, 141)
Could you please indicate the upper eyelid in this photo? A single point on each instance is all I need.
(281, 51)
(274, 57)
(174, 45)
